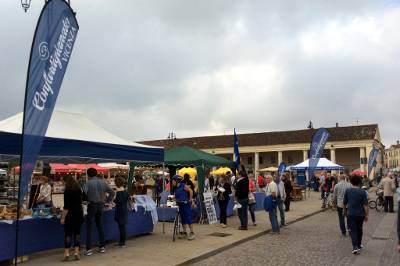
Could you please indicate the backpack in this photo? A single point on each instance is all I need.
(269, 203)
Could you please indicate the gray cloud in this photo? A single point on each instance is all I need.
(144, 68)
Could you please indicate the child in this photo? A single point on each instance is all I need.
(184, 198)
(121, 209)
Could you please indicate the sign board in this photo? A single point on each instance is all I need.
(210, 208)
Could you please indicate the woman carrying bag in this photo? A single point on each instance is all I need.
(223, 195)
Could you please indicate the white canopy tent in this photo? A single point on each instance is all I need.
(323, 164)
(77, 138)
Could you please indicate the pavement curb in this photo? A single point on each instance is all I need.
(241, 241)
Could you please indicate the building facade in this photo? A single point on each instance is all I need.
(393, 156)
(347, 146)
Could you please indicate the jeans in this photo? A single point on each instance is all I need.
(252, 208)
(223, 205)
(94, 212)
(243, 212)
(356, 230)
(388, 204)
(281, 211)
(341, 221)
(122, 234)
(274, 220)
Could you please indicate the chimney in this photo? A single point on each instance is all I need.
(337, 124)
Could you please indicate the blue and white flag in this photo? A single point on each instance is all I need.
(236, 150)
(317, 146)
(372, 159)
(51, 51)
(281, 168)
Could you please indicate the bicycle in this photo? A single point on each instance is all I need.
(378, 203)
(177, 224)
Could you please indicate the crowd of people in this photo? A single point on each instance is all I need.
(351, 200)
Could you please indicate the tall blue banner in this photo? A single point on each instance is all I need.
(317, 146)
(236, 150)
(281, 168)
(51, 51)
(372, 159)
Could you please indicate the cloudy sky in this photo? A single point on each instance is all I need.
(145, 68)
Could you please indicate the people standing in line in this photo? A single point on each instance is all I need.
(44, 198)
(252, 199)
(388, 186)
(338, 195)
(72, 216)
(281, 197)
(271, 189)
(184, 198)
(121, 200)
(355, 206)
(242, 197)
(223, 196)
(97, 192)
(288, 191)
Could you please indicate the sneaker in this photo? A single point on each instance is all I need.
(223, 225)
(254, 224)
(191, 236)
(355, 251)
(361, 247)
(88, 252)
(242, 228)
(102, 250)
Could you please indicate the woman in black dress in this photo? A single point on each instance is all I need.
(121, 209)
(224, 190)
(72, 216)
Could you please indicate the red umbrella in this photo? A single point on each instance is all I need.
(358, 172)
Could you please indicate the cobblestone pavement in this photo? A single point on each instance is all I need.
(313, 241)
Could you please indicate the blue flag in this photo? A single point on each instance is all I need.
(317, 146)
(372, 159)
(281, 168)
(236, 150)
(51, 50)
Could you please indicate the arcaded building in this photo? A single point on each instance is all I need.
(348, 146)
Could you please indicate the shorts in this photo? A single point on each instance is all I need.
(185, 210)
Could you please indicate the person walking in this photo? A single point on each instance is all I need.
(389, 187)
(288, 191)
(252, 199)
(72, 216)
(271, 189)
(281, 197)
(355, 205)
(97, 192)
(121, 209)
(223, 191)
(338, 195)
(242, 197)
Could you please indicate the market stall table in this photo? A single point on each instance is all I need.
(45, 234)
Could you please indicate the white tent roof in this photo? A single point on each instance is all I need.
(323, 164)
(72, 126)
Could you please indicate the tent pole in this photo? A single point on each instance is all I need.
(163, 173)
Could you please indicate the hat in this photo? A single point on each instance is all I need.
(176, 178)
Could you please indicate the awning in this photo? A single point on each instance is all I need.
(74, 138)
(323, 164)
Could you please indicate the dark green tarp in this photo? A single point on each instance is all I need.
(186, 156)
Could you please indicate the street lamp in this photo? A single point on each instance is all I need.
(25, 4)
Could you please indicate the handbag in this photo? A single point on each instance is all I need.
(252, 199)
(270, 203)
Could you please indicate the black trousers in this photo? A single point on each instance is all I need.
(287, 203)
(342, 224)
(356, 229)
(223, 205)
(388, 204)
(94, 212)
(122, 234)
(72, 233)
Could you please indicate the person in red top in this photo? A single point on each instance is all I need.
(252, 200)
(261, 181)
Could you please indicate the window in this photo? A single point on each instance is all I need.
(250, 160)
(261, 161)
(273, 159)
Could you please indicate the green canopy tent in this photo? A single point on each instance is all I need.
(186, 156)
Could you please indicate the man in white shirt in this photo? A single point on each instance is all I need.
(281, 196)
(271, 189)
